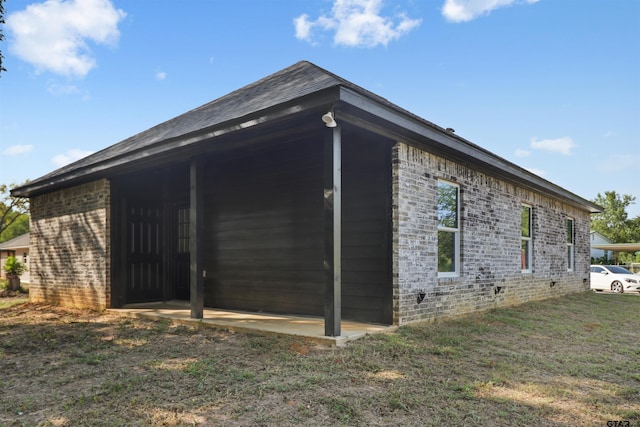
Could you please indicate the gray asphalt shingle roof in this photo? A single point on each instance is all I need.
(19, 242)
(302, 79)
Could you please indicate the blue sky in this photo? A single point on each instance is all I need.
(551, 85)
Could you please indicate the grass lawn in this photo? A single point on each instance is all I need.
(9, 298)
(569, 361)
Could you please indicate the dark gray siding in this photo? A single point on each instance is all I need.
(264, 232)
(366, 234)
(263, 249)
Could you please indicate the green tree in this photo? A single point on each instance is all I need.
(1, 34)
(615, 224)
(13, 213)
(19, 226)
(634, 228)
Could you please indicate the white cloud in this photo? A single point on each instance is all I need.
(467, 10)
(53, 35)
(303, 27)
(559, 145)
(522, 153)
(70, 156)
(536, 171)
(356, 23)
(15, 150)
(609, 134)
(161, 75)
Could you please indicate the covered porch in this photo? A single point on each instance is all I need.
(293, 222)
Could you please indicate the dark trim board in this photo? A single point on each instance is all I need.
(332, 217)
(196, 238)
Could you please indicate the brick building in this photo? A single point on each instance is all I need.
(303, 193)
(17, 247)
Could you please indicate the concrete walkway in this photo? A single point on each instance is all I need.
(311, 328)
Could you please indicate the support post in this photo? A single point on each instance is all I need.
(196, 227)
(332, 232)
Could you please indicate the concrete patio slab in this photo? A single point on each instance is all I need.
(311, 328)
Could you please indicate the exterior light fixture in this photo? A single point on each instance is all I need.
(328, 120)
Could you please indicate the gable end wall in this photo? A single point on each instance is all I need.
(490, 241)
(70, 250)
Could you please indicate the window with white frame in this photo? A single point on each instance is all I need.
(448, 229)
(570, 244)
(525, 239)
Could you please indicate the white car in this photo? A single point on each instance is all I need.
(613, 278)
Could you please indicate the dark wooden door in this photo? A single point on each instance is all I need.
(144, 252)
(182, 258)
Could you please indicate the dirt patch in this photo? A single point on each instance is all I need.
(562, 362)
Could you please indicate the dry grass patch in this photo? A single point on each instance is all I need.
(570, 361)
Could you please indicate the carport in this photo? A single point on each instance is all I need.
(616, 248)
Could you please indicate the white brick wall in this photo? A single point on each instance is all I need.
(490, 241)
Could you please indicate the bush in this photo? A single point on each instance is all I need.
(13, 267)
